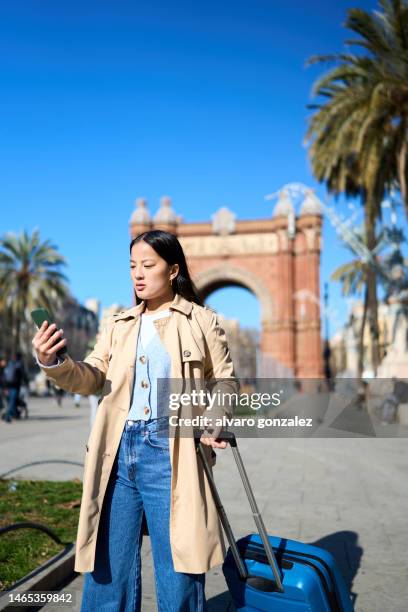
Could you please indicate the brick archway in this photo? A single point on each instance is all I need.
(215, 278)
(277, 259)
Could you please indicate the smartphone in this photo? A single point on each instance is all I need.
(39, 316)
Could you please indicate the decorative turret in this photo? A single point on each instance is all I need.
(140, 220)
(311, 204)
(166, 218)
(223, 221)
(284, 206)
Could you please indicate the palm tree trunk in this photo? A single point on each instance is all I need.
(9, 340)
(371, 287)
(21, 314)
(13, 331)
(16, 346)
(361, 338)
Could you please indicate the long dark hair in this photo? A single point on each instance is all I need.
(169, 248)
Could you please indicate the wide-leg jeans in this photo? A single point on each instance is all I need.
(140, 480)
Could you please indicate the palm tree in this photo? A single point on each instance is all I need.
(385, 37)
(359, 132)
(30, 277)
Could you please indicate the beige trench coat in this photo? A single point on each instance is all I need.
(198, 349)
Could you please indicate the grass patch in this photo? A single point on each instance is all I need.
(53, 504)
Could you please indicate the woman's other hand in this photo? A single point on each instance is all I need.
(209, 439)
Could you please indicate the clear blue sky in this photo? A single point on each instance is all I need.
(102, 102)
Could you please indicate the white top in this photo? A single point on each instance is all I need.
(147, 328)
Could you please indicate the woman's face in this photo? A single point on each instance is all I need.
(150, 273)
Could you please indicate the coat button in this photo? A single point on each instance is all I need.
(144, 384)
(142, 359)
(146, 410)
(186, 353)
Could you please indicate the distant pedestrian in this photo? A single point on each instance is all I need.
(398, 395)
(14, 376)
(77, 400)
(362, 396)
(59, 394)
(48, 388)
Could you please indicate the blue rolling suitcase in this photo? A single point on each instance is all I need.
(271, 573)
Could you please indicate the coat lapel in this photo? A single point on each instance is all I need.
(129, 350)
(127, 336)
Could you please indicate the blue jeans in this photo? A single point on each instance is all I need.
(140, 480)
(12, 403)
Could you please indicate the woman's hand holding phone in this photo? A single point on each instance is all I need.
(47, 342)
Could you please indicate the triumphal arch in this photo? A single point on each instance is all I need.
(276, 258)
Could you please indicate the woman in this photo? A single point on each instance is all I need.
(133, 467)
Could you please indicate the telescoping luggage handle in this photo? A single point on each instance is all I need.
(229, 436)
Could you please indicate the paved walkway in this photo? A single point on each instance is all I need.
(348, 495)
